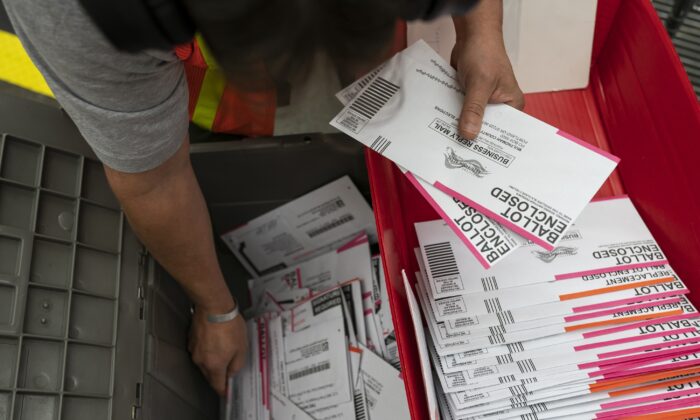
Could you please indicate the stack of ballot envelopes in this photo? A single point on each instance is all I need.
(539, 301)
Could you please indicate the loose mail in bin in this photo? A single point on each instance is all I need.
(322, 337)
(317, 222)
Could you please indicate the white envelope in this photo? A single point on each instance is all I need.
(522, 172)
(284, 409)
(488, 240)
(317, 222)
(424, 356)
(318, 365)
(386, 394)
(608, 236)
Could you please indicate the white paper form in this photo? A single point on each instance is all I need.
(249, 389)
(531, 302)
(552, 405)
(618, 315)
(523, 173)
(383, 313)
(567, 311)
(552, 362)
(317, 364)
(608, 236)
(488, 240)
(549, 391)
(351, 410)
(284, 409)
(276, 291)
(317, 222)
(678, 329)
(466, 350)
(424, 356)
(386, 395)
(618, 406)
(316, 309)
(467, 342)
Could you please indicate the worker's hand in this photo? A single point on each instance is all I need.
(486, 75)
(218, 349)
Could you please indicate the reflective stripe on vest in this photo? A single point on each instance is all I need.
(218, 106)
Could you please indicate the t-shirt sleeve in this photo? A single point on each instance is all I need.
(131, 108)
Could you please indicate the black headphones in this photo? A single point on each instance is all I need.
(137, 25)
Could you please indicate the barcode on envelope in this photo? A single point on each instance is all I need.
(365, 80)
(360, 410)
(309, 370)
(380, 144)
(330, 225)
(441, 260)
(377, 94)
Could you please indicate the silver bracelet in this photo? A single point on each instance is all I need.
(221, 318)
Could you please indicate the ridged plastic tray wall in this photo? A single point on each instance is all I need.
(60, 241)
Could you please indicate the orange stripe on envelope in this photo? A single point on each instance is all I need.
(639, 379)
(668, 415)
(603, 290)
(653, 386)
(622, 320)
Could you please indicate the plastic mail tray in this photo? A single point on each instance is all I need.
(90, 327)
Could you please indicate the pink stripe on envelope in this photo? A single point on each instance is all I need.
(609, 269)
(650, 347)
(625, 327)
(588, 146)
(620, 302)
(635, 368)
(635, 357)
(500, 219)
(631, 339)
(357, 240)
(447, 219)
(649, 398)
(612, 197)
(588, 315)
(649, 409)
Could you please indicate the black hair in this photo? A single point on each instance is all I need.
(262, 42)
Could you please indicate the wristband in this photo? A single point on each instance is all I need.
(221, 318)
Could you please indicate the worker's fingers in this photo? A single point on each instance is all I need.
(237, 364)
(477, 91)
(217, 378)
(510, 94)
(518, 102)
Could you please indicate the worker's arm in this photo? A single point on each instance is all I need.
(482, 64)
(166, 209)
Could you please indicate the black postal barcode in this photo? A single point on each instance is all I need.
(365, 80)
(377, 94)
(441, 260)
(360, 410)
(331, 225)
(380, 144)
(309, 371)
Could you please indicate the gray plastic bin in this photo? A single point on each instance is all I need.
(90, 327)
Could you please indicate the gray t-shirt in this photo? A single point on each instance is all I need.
(132, 108)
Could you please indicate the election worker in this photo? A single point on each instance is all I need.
(133, 73)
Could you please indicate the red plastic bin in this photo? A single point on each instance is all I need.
(639, 105)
